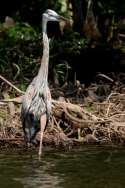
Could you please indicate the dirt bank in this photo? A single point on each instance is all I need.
(93, 115)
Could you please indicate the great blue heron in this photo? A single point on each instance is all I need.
(36, 104)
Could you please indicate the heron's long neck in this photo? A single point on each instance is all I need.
(42, 77)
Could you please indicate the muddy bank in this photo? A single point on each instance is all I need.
(80, 115)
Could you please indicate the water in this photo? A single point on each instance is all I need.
(90, 167)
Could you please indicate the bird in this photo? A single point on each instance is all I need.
(37, 103)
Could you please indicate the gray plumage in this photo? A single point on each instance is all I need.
(36, 104)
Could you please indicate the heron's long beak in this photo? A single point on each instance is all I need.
(61, 18)
(63, 22)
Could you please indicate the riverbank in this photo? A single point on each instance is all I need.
(80, 115)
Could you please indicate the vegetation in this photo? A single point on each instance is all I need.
(94, 23)
(88, 54)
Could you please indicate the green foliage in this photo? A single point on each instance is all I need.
(22, 32)
(21, 45)
(70, 43)
(75, 43)
(20, 48)
(62, 71)
(113, 7)
(106, 8)
(62, 52)
(89, 108)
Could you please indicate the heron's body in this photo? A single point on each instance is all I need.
(37, 99)
(36, 104)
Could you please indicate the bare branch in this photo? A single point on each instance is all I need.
(9, 83)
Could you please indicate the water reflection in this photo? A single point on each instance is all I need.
(39, 177)
(91, 167)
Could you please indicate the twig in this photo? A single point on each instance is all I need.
(111, 95)
(121, 35)
(9, 83)
(18, 71)
(11, 139)
(107, 112)
(115, 115)
(83, 123)
(105, 76)
(17, 100)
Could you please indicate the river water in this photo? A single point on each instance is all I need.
(89, 167)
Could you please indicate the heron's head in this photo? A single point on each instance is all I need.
(51, 15)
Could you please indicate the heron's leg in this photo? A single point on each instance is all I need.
(43, 120)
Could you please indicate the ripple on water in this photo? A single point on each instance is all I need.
(91, 167)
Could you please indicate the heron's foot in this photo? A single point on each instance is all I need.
(34, 142)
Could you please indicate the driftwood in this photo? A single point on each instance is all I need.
(72, 122)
